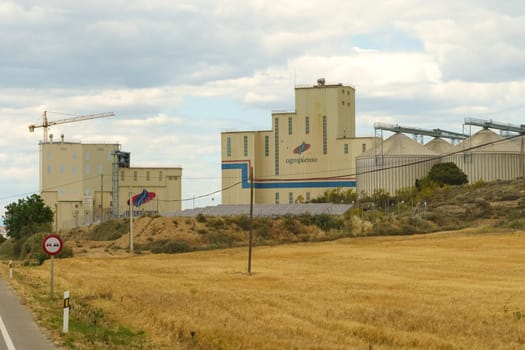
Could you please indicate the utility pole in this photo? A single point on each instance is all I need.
(101, 198)
(522, 159)
(130, 224)
(251, 223)
(56, 217)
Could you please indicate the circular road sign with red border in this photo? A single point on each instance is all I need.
(52, 244)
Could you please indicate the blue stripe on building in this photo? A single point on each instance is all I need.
(286, 184)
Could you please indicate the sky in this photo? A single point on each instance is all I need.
(178, 73)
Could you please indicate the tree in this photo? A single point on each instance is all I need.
(27, 217)
(447, 174)
(336, 195)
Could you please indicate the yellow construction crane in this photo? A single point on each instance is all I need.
(46, 124)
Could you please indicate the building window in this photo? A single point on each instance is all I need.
(88, 168)
(49, 169)
(307, 125)
(346, 148)
(49, 155)
(134, 176)
(343, 103)
(290, 197)
(160, 175)
(266, 146)
(325, 136)
(100, 169)
(147, 175)
(228, 147)
(276, 145)
(276, 197)
(74, 169)
(74, 155)
(61, 168)
(363, 147)
(289, 125)
(245, 144)
(88, 155)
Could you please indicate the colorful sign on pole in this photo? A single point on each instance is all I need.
(142, 198)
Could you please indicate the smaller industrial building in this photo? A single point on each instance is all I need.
(86, 183)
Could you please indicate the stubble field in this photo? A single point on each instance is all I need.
(438, 291)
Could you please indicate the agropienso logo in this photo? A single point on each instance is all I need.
(303, 147)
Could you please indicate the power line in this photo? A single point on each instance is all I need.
(312, 173)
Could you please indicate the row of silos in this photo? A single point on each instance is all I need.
(393, 164)
(399, 161)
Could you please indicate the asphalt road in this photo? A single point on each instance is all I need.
(18, 331)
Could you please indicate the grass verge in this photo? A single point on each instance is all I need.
(89, 327)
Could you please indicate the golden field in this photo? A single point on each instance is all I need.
(461, 290)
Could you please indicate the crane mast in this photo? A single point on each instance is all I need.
(46, 124)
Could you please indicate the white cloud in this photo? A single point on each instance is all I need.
(180, 72)
(161, 119)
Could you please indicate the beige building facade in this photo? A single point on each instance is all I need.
(164, 182)
(308, 151)
(80, 183)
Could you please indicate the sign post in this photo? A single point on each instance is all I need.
(10, 268)
(65, 327)
(52, 245)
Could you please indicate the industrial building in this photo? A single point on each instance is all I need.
(314, 148)
(398, 161)
(393, 164)
(488, 156)
(84, 184)
(307, 151)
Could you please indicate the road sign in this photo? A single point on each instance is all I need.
(52, 244)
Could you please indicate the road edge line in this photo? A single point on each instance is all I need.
(5, 334)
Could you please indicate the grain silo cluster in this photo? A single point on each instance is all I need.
(488, 156)
(398, 161)
(393, 164)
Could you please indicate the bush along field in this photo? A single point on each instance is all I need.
(433, 208)
(430, 208)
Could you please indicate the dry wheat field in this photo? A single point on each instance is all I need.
(438, 291)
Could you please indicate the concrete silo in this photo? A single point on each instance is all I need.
(393, 164)
(438, 145)
(488, 156)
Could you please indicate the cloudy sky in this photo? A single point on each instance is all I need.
(177, 73)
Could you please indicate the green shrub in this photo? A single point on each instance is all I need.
(220, 240)
(200, 217)
(7, 249)
(290, 224)
(243, 222)
(169, 247)
(202, 231)
(262, 227)
(328, 222)
(216, 223)
(447, 173)
(109, 230)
